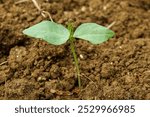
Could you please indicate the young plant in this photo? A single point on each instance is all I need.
(57, 34)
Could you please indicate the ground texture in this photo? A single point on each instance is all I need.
(117, 69)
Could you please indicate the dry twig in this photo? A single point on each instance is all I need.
(3, 63)
(21, 1)
(109, 26)
(42, 12)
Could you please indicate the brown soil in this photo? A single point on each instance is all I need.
(116, 69)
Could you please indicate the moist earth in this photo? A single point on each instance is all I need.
(117, 69)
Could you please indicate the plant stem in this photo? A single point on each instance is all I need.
(75, 60)
(72, 47)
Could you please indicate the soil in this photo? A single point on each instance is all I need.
(117, 69)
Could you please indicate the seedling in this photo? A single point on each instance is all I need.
(57, 34)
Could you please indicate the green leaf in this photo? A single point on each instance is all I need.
(93, 33)
(51, 32)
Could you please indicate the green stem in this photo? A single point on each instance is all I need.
(72, 47)
(75, 60)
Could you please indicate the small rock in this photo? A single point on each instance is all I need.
(83, 9)
(41, 79)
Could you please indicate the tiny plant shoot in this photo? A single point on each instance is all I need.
(57, 34)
